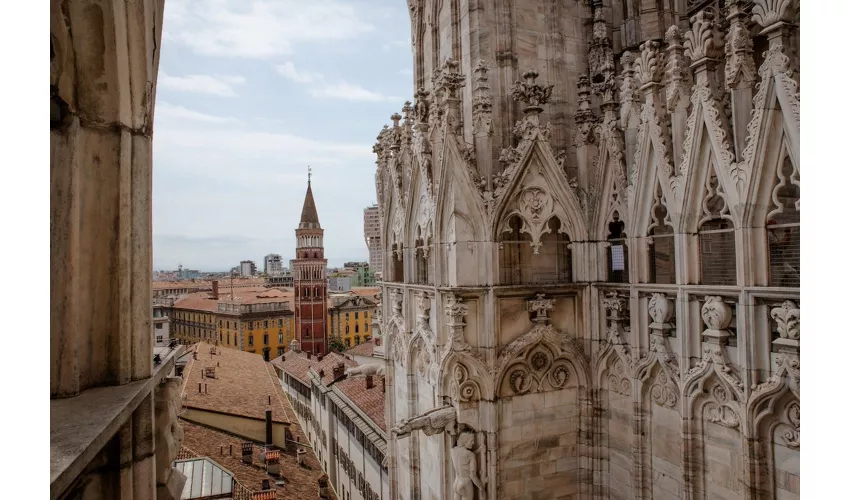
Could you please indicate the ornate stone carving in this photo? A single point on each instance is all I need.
(618, 379)
(719, 410)
(769, 12)
(422, 107)
(585, 118)
(169, 436)
(792, 435)
(482, 103)
(463, 387)
(434, 421)
(740, 67)
(540, 307)
(678, 75)
(787, 317)
(704, 39)
(660, 311)
(534, 95)
(629, 96)
(664, 391)
(600, 58)
(650, 66)
(717, 315)
(465, 466)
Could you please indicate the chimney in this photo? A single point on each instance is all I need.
(309, 355)
(248, 452)
(215, 289)
(266, 485)
(339, 370)
(384, 385)
(370, 382)
(319, 357)
(268, 427)
(273, 462)
(199, 388)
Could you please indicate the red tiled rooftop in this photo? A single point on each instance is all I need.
(242, 385)
(300, 482)
(370, 401)
(364, 349)
(298, 365)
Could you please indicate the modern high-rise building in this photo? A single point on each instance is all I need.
(309, 271)
(247, 268)
(372, 233)
(272, 264)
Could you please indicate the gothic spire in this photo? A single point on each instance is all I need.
(309, 215)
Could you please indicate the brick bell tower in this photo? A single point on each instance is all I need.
(309, 270)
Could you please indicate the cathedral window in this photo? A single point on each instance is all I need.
(783, 228)
(618, 251)
(662, 261)
(716, 239)
(523, 262)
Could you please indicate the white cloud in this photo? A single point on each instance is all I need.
(167, 111)
(321, 88)
(220, 85)
(260, 28)
(405, 72)
(288, 71)
(348, 92)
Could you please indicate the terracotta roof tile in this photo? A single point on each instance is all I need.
(300, 482)
(365, 349)
(242, 385)
(298, 365)
(370, 401)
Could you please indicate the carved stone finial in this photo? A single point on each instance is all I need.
(448, 79)
(532, 94)
(649, 66)
(615, 304)
(482, 103)
(703, 41)
(740, 67)
(717, 315)
(407, 109)
(395, 117)
(660, 311)
(601, 58)
(540, 306)
(769, 12)
(787, 317)
(456, 310)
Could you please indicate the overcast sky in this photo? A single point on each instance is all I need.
(250, 92)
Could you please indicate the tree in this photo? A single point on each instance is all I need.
(336, 344)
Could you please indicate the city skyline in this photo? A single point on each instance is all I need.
(247, 98)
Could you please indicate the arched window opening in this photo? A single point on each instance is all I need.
(422, 253)
(398, 263)
(716, 239)
(662, 246)
(511, 246)
(618, 251)
(783, 228)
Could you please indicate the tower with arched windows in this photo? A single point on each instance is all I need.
(309, 273)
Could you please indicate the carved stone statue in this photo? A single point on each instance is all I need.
(431, 422)
(465, 468)
(169, 437)
(370, 369)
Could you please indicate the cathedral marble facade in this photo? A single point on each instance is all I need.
(590, 214)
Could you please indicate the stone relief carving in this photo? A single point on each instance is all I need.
(169, 436)
(665, 391)
(719, 410)
(463, 387)
(433, 421)
(787, 317)
(482, 102)
(679, 81)
(769, 12)
(465, 465)
(540, 359)
(600, 58)
(740, 67)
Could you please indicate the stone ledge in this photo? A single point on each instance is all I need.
(82, 425)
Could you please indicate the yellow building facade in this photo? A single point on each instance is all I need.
(350, 318)
(260, 320)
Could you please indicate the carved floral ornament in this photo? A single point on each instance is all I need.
(463, 388)
(787, 317)
(618, 380)
(540, 306)
(539, 370)
(704, 40)
(716, 314)
(664, 391)
(660, 310)
(719, 409)
(534, 95)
